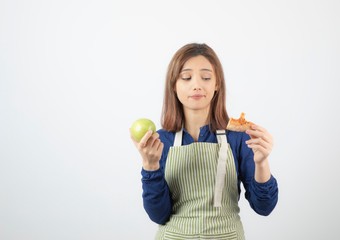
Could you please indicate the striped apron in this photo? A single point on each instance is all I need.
(202, 180)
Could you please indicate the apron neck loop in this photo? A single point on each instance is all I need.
(221, 136)
(221, 167)
(178, 138)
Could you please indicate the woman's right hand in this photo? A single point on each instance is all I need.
(150, 148)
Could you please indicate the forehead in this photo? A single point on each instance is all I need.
(197, 63)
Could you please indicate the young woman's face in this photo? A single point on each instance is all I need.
(196, 84)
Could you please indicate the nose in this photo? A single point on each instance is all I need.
(196, 83)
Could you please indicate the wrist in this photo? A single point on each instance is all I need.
(262, 164)
(262, 171)
(150, 166)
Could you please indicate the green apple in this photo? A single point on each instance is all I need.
(140, 127)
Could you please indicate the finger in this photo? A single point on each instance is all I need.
(153, 138)
(145, 138)
(153, 143)
(260, 145)
(155, 135)
(160, 147)
(259, 148)
(256, 134)
(155, 151)
(258, 128)
(259, 142)
(260, 133)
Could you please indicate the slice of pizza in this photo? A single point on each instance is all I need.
(239, 125)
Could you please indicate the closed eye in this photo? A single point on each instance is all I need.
(206, 79)
(186, 79)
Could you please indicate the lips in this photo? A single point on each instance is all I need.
(197, 96)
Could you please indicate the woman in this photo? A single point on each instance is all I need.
(193, 167)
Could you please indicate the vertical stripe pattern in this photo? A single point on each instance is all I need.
(191, 175)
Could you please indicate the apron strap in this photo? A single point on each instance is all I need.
(178, 138)
(221, 167)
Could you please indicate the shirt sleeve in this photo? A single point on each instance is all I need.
(156, 196)
(262, 197)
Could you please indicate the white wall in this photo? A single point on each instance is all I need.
(75, 74)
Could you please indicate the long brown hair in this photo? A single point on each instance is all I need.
(172, 118)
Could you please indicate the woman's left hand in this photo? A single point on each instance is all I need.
(261, 142)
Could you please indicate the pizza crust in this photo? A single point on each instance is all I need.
(239, 125)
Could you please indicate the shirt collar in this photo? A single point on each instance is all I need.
(203, 130)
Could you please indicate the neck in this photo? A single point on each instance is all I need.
(194, 120)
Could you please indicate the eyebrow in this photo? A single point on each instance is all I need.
(203, 69)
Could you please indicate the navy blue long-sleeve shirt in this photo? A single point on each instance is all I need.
(157, 201)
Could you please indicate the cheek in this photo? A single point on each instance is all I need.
(180, 96)
(211, 93)
(210, 88)
(179, 88)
